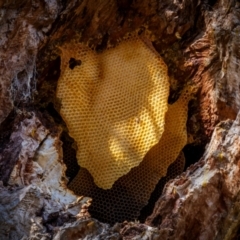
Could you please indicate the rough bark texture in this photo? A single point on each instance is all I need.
(206, 195)
(199, 42)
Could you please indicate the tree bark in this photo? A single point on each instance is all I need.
(199, 42)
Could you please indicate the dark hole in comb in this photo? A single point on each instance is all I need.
(73, 63)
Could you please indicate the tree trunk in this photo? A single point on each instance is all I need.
(199, 43)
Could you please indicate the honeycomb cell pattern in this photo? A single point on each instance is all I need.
(175, 169)
(114, 104)
(131, 192)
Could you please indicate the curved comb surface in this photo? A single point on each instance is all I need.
(131, 192)
(114, 105)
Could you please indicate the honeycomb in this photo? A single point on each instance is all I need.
(131, 192)
(114, 105)
(118, 203)
(175, 169)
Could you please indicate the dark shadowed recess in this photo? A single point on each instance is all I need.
(69, 153)
(69, 156)
(47, 102)
(211, 2)
(6, 129)
(8, 156)
(192, 155)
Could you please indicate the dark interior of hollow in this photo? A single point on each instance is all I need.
(192, 155)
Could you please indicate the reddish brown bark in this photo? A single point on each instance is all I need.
(198, 40)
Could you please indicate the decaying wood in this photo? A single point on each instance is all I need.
(36, 191)
(198, 40)
(203, 202)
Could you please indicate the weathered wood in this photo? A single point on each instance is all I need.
(198, 40)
